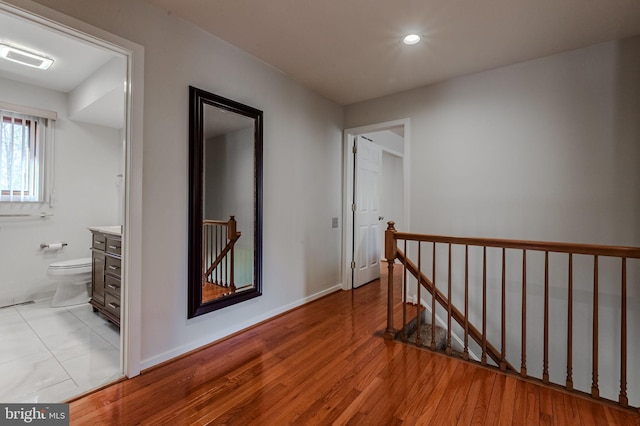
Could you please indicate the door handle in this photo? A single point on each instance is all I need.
(380, 217)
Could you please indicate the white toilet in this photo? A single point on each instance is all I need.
(74, 278)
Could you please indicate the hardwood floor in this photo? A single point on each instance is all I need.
(212, 291)
(326, 363)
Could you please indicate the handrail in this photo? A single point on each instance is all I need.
(623, 254)
(587, 249)
(222, 255)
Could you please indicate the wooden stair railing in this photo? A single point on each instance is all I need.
(458, 316)
(219, 238)
(499, 356)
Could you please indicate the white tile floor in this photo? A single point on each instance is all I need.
(52, 354)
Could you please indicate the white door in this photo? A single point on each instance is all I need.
(367, 219)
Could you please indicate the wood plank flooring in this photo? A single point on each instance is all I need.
(212, 291)
(327, 363)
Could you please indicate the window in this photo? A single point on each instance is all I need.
(22, 157)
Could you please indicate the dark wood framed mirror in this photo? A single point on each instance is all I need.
(225, 202)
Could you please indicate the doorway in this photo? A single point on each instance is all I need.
(376, 191)
(61, 348)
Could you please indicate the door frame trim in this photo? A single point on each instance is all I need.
(347, 181)
(131, 331)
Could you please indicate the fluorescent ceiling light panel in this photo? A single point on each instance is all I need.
(24, 57)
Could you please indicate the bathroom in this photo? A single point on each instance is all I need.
(50, 354)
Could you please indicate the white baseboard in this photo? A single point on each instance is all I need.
(221, 334)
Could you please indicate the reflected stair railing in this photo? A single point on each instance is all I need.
(218, 240)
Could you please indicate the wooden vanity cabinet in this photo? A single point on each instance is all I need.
(106, 277)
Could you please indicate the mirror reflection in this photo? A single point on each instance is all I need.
(225, 161)
(228, 203)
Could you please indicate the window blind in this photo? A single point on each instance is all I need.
(25, 168)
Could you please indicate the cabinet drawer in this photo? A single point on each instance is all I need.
(113, 266)
(99, 242)
(112, 286)
(112, 304)
(114, 246)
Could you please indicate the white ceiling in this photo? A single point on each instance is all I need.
(75, 61)
(219, 121)
(350, 50)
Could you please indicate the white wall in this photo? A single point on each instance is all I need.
(543, 150)
(391, 192)
(302, 160)
(87, 160)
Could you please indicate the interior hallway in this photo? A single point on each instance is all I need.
(327, 363)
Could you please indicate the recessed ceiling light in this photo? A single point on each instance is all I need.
(24, 57)
(411, 39)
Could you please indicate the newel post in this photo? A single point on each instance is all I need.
(232, 236)
(231, 228)
(390, 252)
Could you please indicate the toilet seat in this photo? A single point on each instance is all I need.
(70, 267)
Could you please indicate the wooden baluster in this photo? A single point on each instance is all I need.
(418, 337)
(448, 350)
(545, 361)
(225, 265)
(232, 236)
(465, 353)
(433, 301)
(232, 278)
(390, 252)
(523, 364)
(212, 247)
(503, 353)
(569, 382)
(622, 399)
(595, 392)
(403, 336)
(225, 262)
(216, 272)
(483, 358)
(223, 244)
(210, 243)
(204, 252)
(214, 252)
(218, 267)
